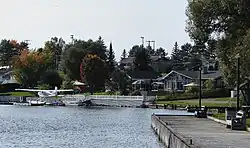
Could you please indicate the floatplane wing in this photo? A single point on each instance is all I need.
(32, 90)
(40, 90)
(64, 90)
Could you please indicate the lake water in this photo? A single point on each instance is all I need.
(77, 127)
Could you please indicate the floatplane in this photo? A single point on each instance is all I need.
(46, 94)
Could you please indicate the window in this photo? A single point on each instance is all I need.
(179, 85)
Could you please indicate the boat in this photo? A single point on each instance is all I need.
(37, 103)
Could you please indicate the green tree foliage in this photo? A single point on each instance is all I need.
(160, 52)
(52, 78)
(227, 22)
(124, 54)
(72, 59)
(9, 49)
(142, 60)
(95, 72)
(150, 50)
(29, 66)
(111, 59)
(133, 50)
(120, 81)
(67, 82)
(55, 47)
(74, 53)
(209, 85)
(175, 53)
(177, 58)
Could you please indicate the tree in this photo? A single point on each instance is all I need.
(133, 50)
(227, 22)
(175, 52)
(121, 82)
(176, 57)
(142, 60)
(29, 66)
(97, 48)
(124, 54)
(186, 52)
(72, 58)
(150, 50)
(95, 72)
(9, 49)
(55, 47)
(52, 78)
(111, 59)
(160, 52)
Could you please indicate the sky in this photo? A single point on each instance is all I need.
(122, 22)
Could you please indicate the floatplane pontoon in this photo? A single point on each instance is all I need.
(44, 94)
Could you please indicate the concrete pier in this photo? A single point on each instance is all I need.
(189, 132)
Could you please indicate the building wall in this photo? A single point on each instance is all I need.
(176, 82)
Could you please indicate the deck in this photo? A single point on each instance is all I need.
(207, 133)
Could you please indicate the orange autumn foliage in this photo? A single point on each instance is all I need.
(14, 43)
(26, 58)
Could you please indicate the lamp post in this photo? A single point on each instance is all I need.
(238, 82)
(200, 88)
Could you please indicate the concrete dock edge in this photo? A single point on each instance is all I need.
(168, 136)
(217, 120)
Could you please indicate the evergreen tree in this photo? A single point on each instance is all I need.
(142, 60)
(111, 59)
(124, 54)
(160, 52)
(175, 53)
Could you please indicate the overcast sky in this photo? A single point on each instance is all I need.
(121, 21)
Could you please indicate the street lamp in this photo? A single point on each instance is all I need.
(200, 88)
(238, 81)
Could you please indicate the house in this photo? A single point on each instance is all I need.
(7, 77)
(175, 80)
(141, 80)
(158, 63)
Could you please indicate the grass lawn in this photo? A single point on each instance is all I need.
(219, 102)
(17, 94)
(221, 116)
(226, 99)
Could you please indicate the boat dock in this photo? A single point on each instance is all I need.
(191, 132)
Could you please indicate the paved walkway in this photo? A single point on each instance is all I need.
(207, 133)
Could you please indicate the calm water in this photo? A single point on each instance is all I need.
(76, 127)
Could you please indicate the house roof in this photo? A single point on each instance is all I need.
(143, 75)
(129, 60)
(195, 74)
(11, 81)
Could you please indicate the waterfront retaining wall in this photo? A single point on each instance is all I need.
(9, 99)
(168, 136)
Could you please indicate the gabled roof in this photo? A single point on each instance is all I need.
(143, 75)
(194, 74)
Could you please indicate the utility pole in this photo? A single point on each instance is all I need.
(72, 38)
(142, 39)
(149, 42)
(153, 44)
(238, 82)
